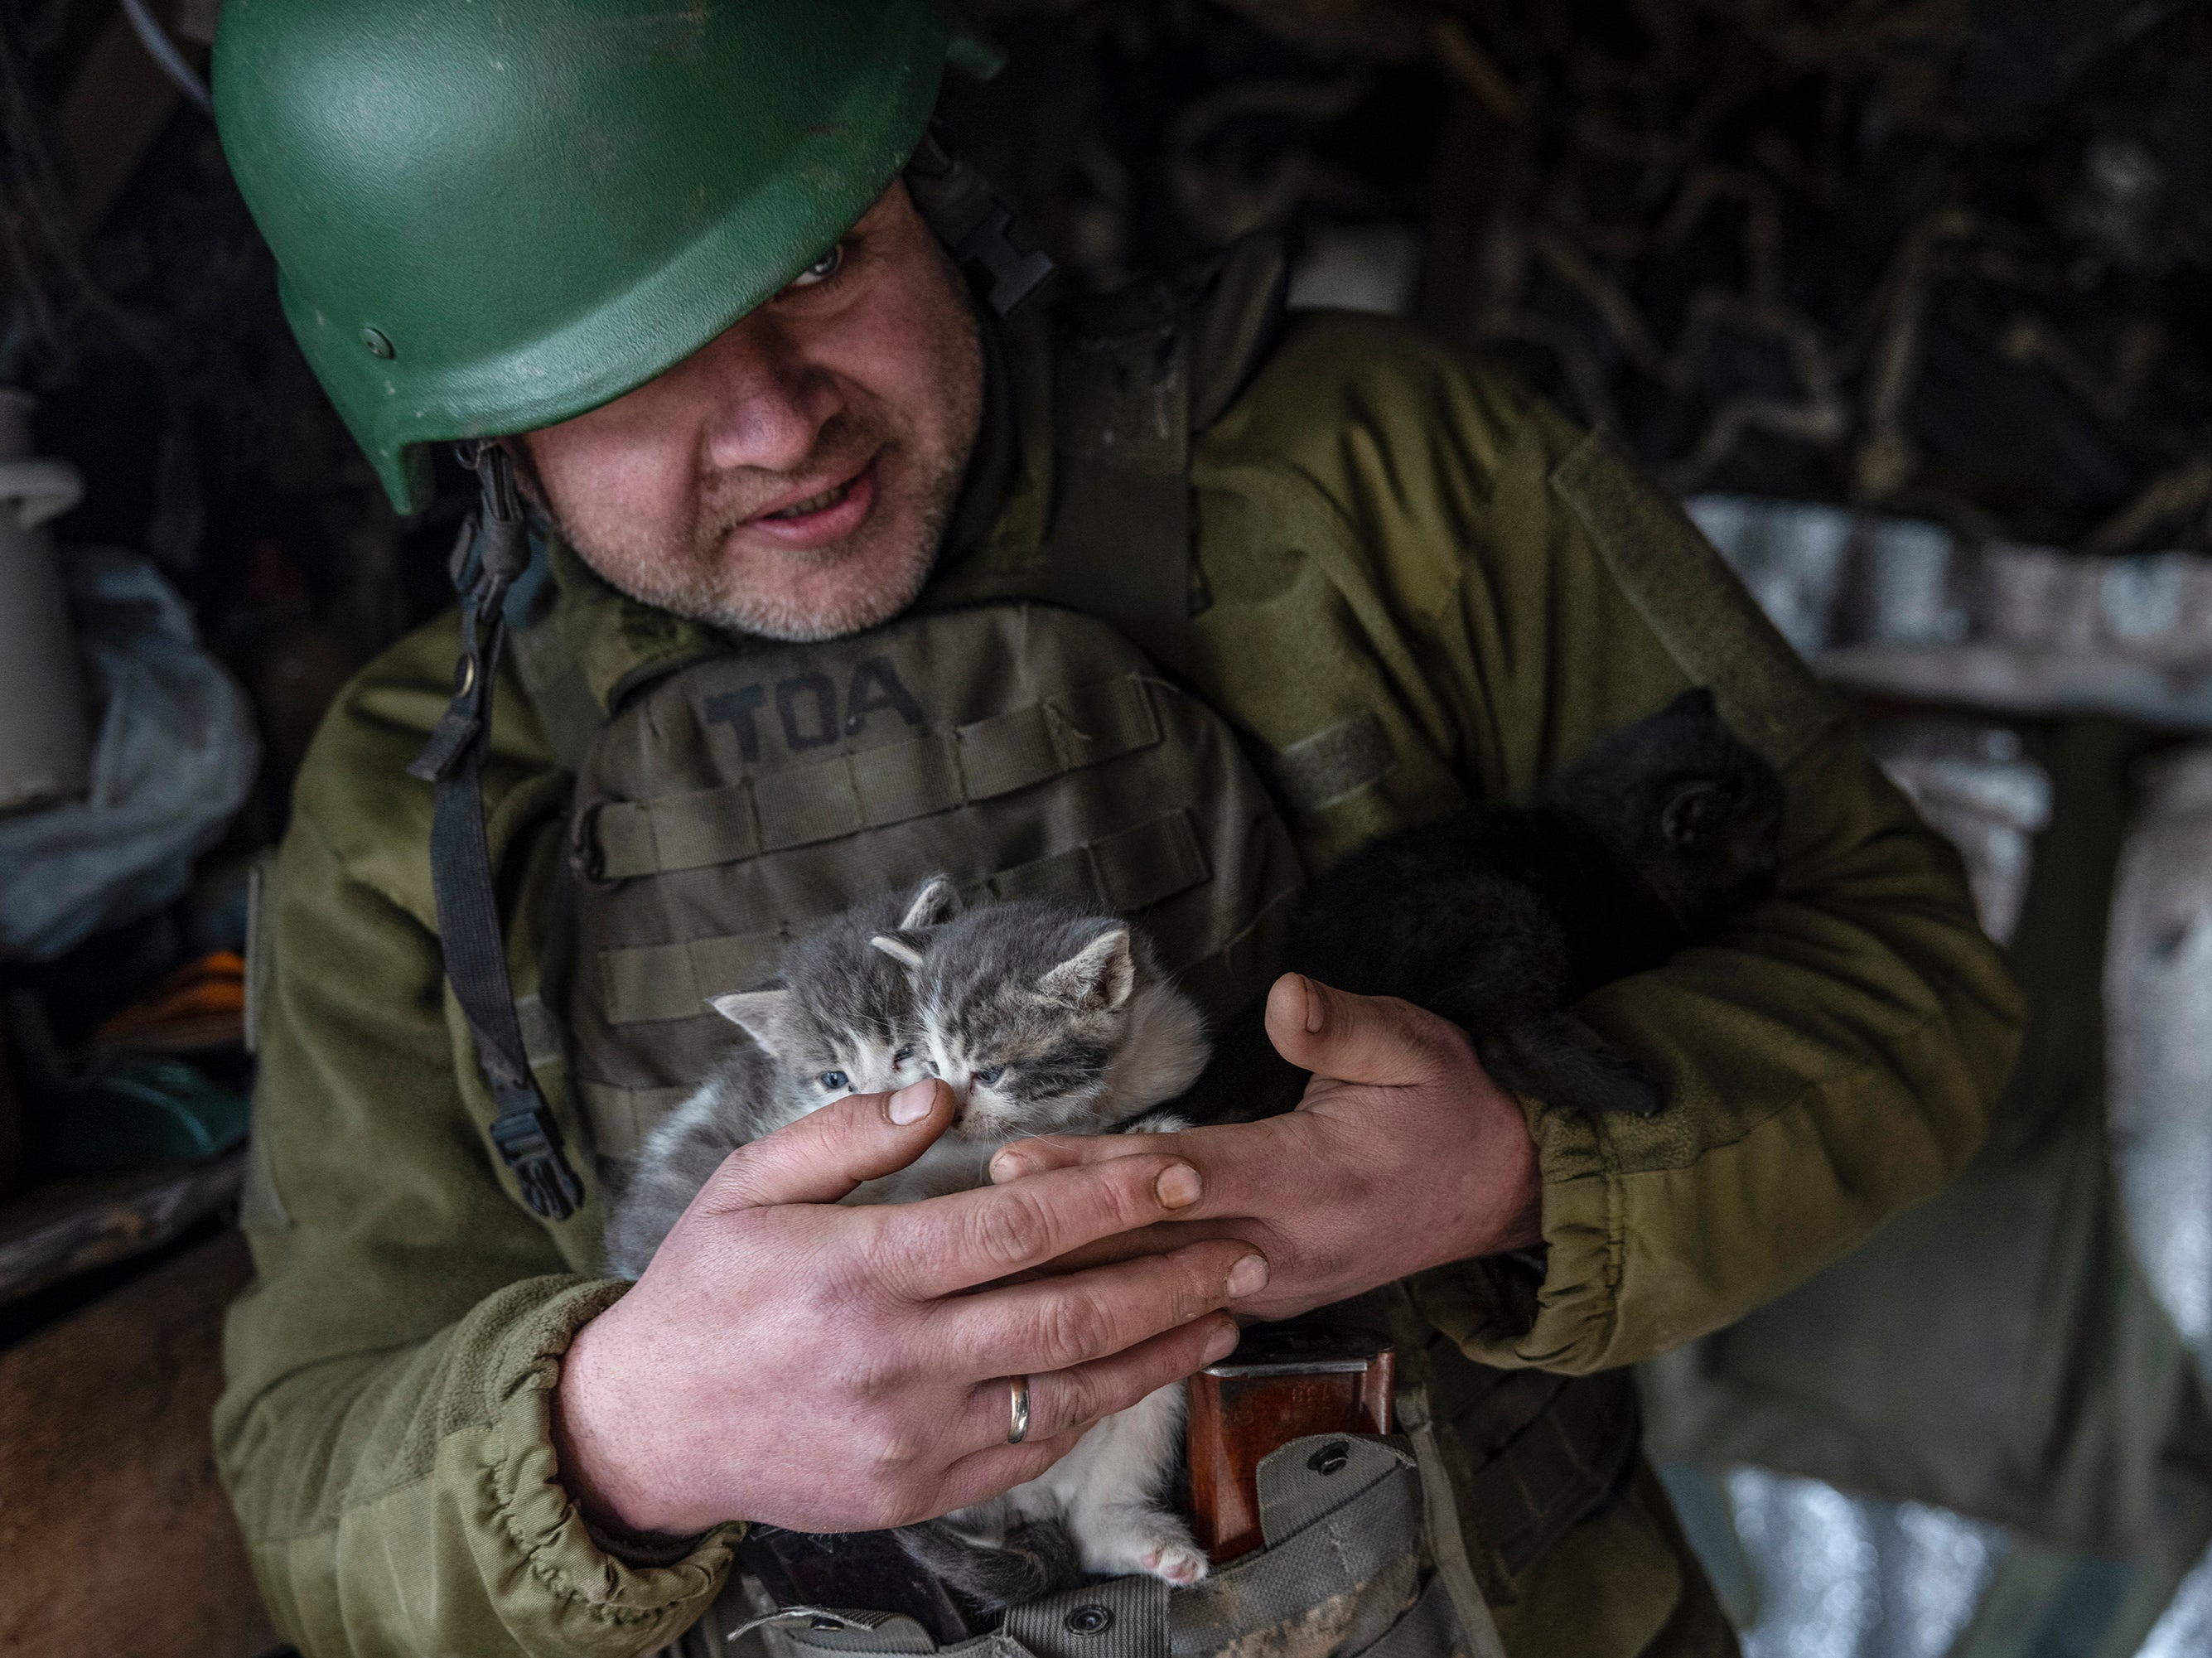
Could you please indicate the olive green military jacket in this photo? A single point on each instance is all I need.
(1502, 589)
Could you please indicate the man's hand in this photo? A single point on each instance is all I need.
(826, 1368)
(1403, 1155)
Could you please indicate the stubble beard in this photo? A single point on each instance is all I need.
(706, 589)
(698, 583)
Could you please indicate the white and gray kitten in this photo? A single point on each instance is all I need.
(1048, 1020)
(838, 1020)
(1043, 1018)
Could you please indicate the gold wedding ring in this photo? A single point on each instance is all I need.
(1018, 1429)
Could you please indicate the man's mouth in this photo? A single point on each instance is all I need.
(824, 519)
(827, 498)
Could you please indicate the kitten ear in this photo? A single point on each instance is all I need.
(934, 901)
(1099, 975)
(758, 1013)
(900, 949)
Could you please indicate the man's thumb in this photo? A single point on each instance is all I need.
(1352, 1039)
(826, 1153)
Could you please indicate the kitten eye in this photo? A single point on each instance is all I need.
(820, 271)
(903, 1056)
(833, 1080)
(989, 1078)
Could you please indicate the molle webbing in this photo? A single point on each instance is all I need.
(1128, 871)
(848, 793)
(1023, 750)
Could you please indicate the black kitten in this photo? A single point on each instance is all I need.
(1501, 917)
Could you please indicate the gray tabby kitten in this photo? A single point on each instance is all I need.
(1049, 1020)
(1042, 1019)
(839, 1020)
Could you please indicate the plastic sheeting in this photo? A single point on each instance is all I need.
(172, 762)
(1842, 1577)
(1978, 787)
(2158, 979)
(2185, 1629)
(1900, 607)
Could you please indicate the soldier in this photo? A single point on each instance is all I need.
(830, 567)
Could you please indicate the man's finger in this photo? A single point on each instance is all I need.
(1053, 1323)
(943, 1245)
(1375, 1040)
(986, 1474)
(1209, 1148)
(826, 1153)
(1064, 1402)
(1160, 1240)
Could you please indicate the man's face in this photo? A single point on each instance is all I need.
(792, 477)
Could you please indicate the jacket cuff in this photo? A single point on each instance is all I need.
(588, 1574)
(1496, 1310)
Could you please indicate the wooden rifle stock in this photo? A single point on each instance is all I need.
(1283, 1382)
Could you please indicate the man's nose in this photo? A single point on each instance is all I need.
(769, 403)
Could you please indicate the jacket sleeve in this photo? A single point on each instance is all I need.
(385, 1431)
(1517, 588)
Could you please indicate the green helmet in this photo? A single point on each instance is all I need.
(490, 217)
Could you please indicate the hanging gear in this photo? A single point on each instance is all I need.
(493, 550)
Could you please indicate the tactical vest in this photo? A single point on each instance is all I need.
(1027, 745)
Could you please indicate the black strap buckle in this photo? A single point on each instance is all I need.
(529, 1144)
(486, 561)
(1014, 275)
(965, 214)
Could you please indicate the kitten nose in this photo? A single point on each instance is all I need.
(960, 1092)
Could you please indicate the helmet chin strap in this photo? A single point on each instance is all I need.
(967, 215)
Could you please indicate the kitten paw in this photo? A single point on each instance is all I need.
(1179, 1563)
(1147, 1541)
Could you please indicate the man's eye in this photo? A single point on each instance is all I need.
(820, 271)
(988, 1077)
(833, 1080)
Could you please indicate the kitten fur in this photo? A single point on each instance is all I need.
(837, 1019)
(1043, 1018)
(1046, 1019)
(1502, 917)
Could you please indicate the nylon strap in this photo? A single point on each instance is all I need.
(1121, 537)
(1447, 1542)
(894, 784)
(1335, 763)
(493, 551)
(1129, 870)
